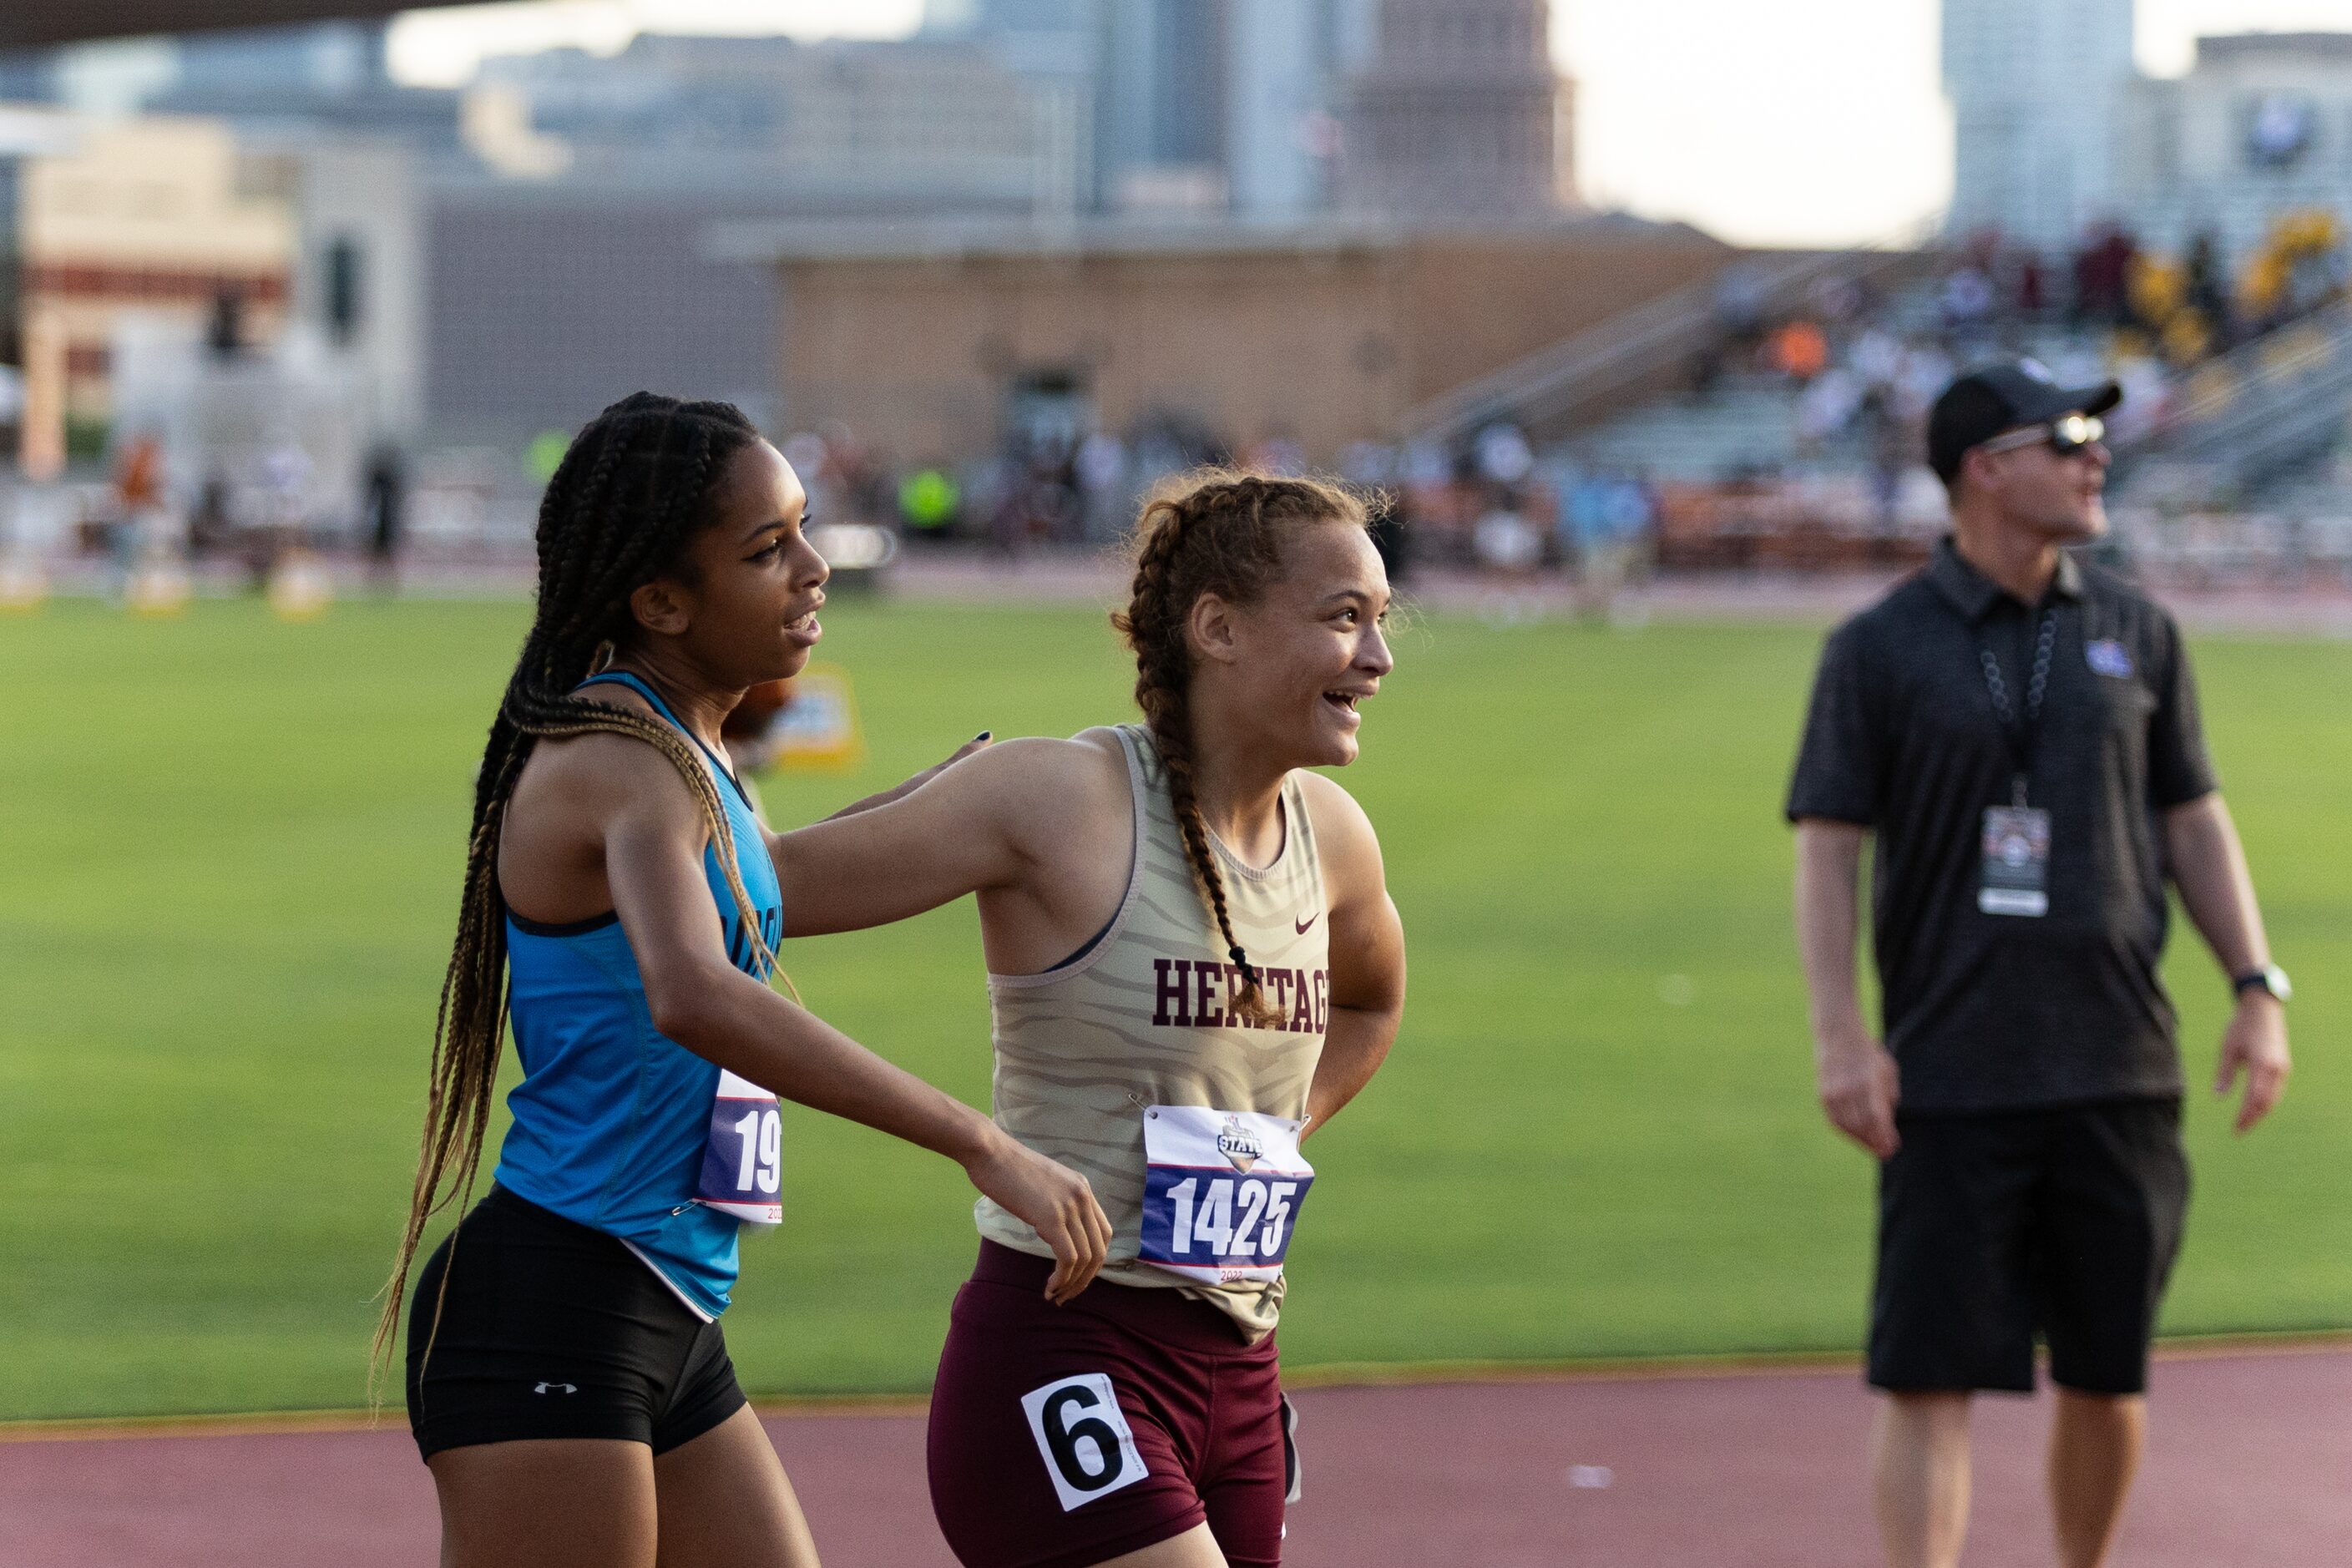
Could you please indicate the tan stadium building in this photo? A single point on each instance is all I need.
(152, 214)
(921, 339)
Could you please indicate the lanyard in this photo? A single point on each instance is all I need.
(2022, 732)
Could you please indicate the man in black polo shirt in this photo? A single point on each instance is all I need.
(2021, 733)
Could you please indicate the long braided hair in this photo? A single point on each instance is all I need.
(1222, 533)
(634, 488)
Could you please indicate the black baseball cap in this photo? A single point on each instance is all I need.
(1988, 401)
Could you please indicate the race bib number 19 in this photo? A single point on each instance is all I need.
(1222, 1192)
(743, 1158)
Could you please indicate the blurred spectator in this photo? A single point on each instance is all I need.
(1799, 350)
(384, 499)
(1739, 304)
(1103, 490)
(804, 451)
(1926, 370)
(1607, 522)
(2102, 271)
(142, 527)
(854, 475)
(285, 473)
(1828, 404)
(1369, 466)
(2033, 288)
(1968, 303)
(1894, 448)
(211, 530)
(1501, 456)
(2208, 290)
(1505, 541)
(1425, 464)
(1876, 357)
(1277, 452)
(1166, 443)
(139, 479)
(1372, 469)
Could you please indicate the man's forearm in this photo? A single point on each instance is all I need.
(2208, 866)
(1827, 913)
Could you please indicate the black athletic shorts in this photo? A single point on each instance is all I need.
(1994, 1227)
(552, 1330)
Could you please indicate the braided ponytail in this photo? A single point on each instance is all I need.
(631, 493)
(1221, 533)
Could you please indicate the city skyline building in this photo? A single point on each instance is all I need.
(2037, 90)
(2258, 129)
(1271, 111)
(1458, 112)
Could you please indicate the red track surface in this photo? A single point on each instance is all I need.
(2250, 1465)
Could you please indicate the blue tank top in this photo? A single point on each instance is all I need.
(612, 1115)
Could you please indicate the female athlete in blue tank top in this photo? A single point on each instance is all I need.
(613, 1120)
(567, 1380)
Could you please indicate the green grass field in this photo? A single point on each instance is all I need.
(228, 861)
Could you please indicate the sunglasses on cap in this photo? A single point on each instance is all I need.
(2066, 434)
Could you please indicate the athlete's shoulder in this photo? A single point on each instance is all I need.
(1344, 836)
(1105, 746)
(1328, 797)
(1031, 774)
(1045, 759)
(604, 771)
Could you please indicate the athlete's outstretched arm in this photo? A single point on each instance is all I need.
(1367, 951)
(987, 821)
(914, 782)
(653, 845)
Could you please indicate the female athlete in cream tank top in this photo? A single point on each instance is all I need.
(1116, 1044)
(1171, 1013)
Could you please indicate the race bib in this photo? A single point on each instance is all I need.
(1220, 1192)
(1089, 1447)
(743, 1157)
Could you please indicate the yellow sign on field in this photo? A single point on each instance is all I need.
(819, 730)
(22, 584)
(299, 587)
(157, 587)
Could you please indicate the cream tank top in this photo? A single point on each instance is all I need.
(1134, 1036)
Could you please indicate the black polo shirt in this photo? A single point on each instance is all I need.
(1994, 1011)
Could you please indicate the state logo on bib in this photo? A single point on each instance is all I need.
(1222, 1192)
(743, 1156)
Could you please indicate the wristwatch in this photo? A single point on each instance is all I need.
(2269, 977)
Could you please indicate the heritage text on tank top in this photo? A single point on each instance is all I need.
(1129, 1065)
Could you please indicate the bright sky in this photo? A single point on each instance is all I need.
(1797, 121)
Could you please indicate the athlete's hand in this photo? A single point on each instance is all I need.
(1859, 1087)
(2255, 1045)
(1057, 1204)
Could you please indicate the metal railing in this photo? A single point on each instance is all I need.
(1550, 387)
(2264, 407)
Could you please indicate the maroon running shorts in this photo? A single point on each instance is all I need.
(1063, 1436)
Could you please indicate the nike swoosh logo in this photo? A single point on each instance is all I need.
(1309, 920)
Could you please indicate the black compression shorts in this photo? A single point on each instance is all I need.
(552, 1330)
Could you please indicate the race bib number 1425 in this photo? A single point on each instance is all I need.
(1222, 1192)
